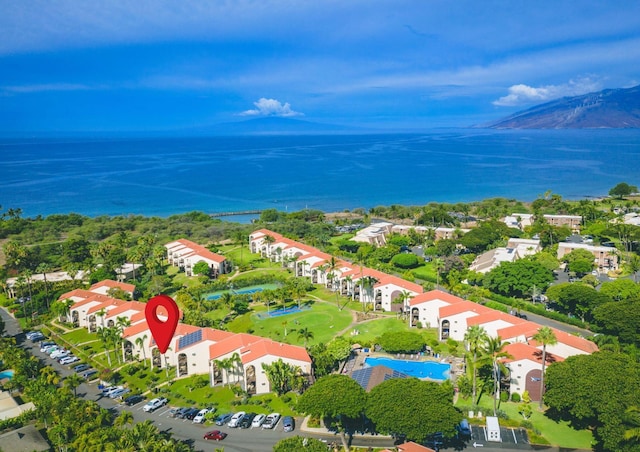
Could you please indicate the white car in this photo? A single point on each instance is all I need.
(69, 359)
(236, 418)
(154, 404)
(271, 420)
(119, 393)
(199, 418)
(258, 420)
(60, 353)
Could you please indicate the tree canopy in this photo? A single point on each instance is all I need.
(577, 299)
(593, 391)
(517, 278)
(401, 342)
(623, 189)
(411, 407)
(621, 319)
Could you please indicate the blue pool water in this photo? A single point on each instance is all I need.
(418, 369)
(244, 290)
(6, 374)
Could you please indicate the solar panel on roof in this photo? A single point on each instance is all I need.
(190, 339)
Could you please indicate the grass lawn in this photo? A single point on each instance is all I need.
(80, 336)
(426, 272)
(558, 434)
(183, 393)
(324, 319)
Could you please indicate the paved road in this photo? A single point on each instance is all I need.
(248, 440)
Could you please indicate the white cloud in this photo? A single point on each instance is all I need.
(271, 107)
(523, 94)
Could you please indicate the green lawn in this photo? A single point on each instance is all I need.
(80, 336)
(324, 319)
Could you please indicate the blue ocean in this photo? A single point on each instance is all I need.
(165, 176)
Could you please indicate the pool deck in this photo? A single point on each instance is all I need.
(357, 358)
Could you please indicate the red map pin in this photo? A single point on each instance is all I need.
(162, 331)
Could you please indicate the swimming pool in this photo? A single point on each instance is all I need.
(244, 290)
(419, 369)
(6, 374)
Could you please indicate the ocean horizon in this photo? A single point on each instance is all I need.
(164, 176)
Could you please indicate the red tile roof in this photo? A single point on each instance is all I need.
(267, 347)
(127, 306)
(232, 344)
(521, 351)
(198, 250)
(111, 284)
(413, 447)
(463, 306)
(435, 295)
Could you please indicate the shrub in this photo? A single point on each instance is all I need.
(504, 396)
(405, 260)
(515, 397)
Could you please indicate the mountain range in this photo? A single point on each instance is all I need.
(609, 108)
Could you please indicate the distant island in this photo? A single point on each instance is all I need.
(610, 108)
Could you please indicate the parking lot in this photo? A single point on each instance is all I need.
(509, 436)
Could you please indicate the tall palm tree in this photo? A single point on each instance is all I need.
(305, 334)
(269, 240)
(544, 336)
(140, 341)
(72, 382)
(44, 268)
(475, 337)
(105, 337)
(125, 418)
(493, 351)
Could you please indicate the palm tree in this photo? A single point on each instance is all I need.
(544, 336)
(236, 365)
(269, 240)
(475, 337)
(140, 341)
(44, 268)
(493, 351)
(125, 418)
(72, 382)
(305, 334)
(105, 336)
(632, 419)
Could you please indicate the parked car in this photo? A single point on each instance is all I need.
(288, 424)
(258, 420)
(50, 349)
(154, 404)
(60, 353)
(464, 429)
(69, 360)
(132, 400)
(107, 390)
(35, 336)
(236, 418)
(119, 393)
(223, 418)
(216, 435)
(46, 344)
(199, 418)
(80, 367)
(89, 374)
(177, 412)
(191, 413)
(271, 420)
(246, 420)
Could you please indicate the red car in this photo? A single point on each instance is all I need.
(215, 434)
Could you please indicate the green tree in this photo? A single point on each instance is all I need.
(401, 342)
(493, 353)
(623, 189)
(201, 268)
(72, 382)
(620, 319)
(337, 397)
(299, 443)
(283, 377)
(544, 336)
(475, 337)
(593, 392)
(430, 405)
(305, 334)
(517, 278)
(621, 289)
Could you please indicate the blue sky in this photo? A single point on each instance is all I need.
(72, 65)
